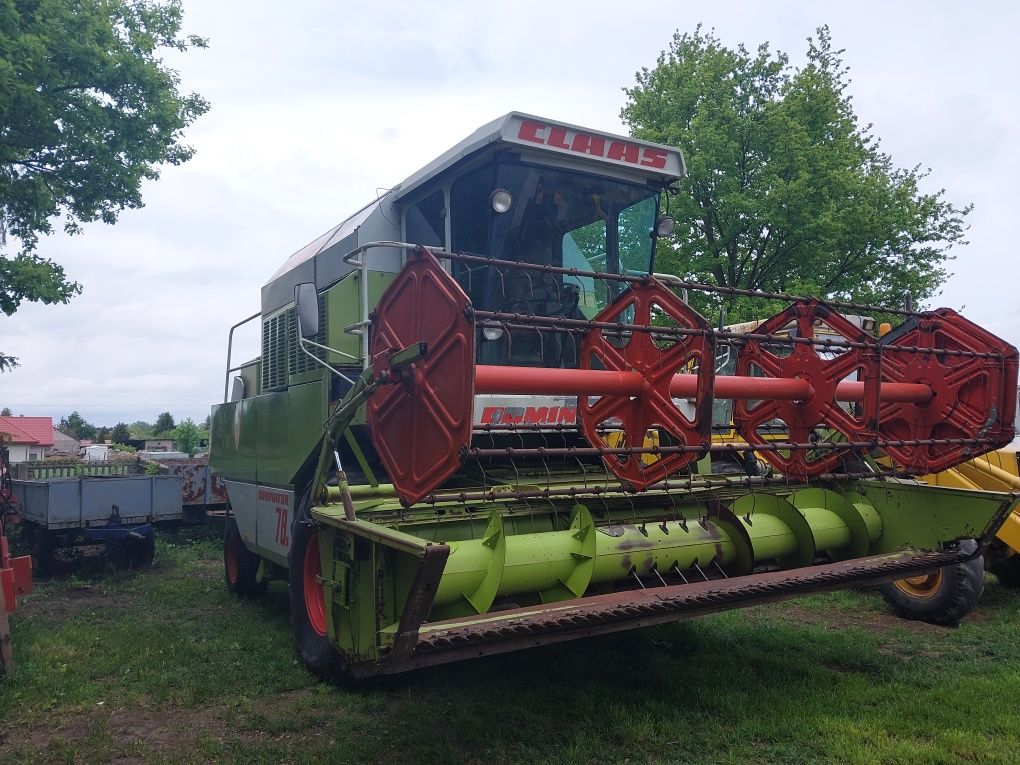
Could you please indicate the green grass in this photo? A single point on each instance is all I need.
(163, 665)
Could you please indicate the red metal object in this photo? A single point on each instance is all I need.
(635, 412)
(973, 397)
(419, 424)
(823, 375)
(15, 573)
(592, 382)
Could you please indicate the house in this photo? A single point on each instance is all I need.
(64, 444)
(158, 445)
(26, 438)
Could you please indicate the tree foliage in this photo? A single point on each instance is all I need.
(187, 436)
(786, 190)
(120, 433)
(76, 426)
(140, 429)
(164, 424)
(88, 110)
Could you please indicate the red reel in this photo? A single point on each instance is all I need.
(809, 362)
(419, 425)
(974, 397)
(657, 359)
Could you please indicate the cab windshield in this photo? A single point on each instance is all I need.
(558, 218)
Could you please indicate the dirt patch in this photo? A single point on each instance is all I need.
(861, 618)
(68, 601)
(134, 734)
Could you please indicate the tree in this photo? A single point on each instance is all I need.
(187, 436)
(120, 433)
(88, 110)
(140, 429)
(164, 424)
(785, 191)
(102, 434)
(5, 412)
(76, 426)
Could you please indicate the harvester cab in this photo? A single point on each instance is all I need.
(480, 421)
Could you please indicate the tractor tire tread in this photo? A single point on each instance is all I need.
(962, 585)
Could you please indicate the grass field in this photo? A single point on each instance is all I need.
(163, 665)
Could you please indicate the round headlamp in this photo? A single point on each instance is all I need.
(500, 200)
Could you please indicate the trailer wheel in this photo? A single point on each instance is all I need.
(41, 547)
(144, 551)
(1008, 571)
(308, 611)
(133, 552)
(240, 565)
(944, 596)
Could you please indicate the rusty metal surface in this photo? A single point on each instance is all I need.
(200, 488)
(518, 628)
(419, 599)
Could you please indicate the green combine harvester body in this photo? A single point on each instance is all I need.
(479, 422)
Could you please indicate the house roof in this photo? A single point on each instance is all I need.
(28, 430)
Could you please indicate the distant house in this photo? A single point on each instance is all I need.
(64, 444)
(158, 445)
(27, 438)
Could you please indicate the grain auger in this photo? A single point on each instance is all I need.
(480, 422)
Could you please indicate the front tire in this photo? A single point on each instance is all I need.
(942, 597)
(308, 611)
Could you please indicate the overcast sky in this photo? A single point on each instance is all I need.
(316, 105)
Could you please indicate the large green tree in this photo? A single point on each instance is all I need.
(187, 436)
(786, 189)
(88, 110)
(76, 426)
(164, 424)
(120, 433)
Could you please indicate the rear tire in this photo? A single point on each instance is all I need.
(308, 611)
(1008, 571)
(241, 565)
(943, 597)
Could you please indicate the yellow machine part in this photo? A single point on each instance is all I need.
(995, 471)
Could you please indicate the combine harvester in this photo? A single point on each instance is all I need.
(480, 423)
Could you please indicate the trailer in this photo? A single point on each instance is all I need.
(70, 516)
(480, 421)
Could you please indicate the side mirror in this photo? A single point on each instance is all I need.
(306, 305)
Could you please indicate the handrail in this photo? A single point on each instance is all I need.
(361, 264)
(230, 350)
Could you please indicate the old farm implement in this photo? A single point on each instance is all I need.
(480, 422)
(15, 572)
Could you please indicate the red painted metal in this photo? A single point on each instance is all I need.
(820, 408)
(593, 382)
(972, 397)
(15, 573)
(419, 425)
(656, 363)
(940, 385)
(315, 598)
